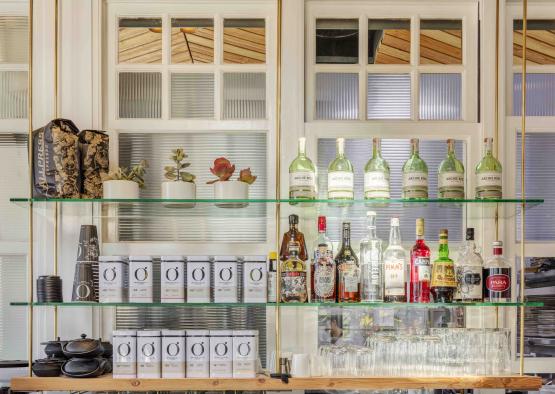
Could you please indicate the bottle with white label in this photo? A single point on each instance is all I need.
(371, 263)
(302, 175)
(140, 279)
(198, 353)
(395, 266)
(415, 174)
(376, 174)
(489, 174)
(340, 175)
(198, 279)
(173, 354)
(225, 279)
(221, 353)
(172, 279)
(272, 277)
(450, 177)
(468, 271)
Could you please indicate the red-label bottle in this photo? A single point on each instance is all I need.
(420, 268)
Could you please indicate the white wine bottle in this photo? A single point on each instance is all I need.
(340, 175)
(302, 175)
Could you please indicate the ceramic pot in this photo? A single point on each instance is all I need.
(54, 348)
(48, 367)
(120, 189)
(231, 190)
(179, 190)
(84, 367)
(83, 348)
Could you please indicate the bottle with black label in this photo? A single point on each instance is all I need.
(272, 277)
(497, 276)
(468, 271)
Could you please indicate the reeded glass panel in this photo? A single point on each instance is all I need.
(13, 94)
(540, 181)
(140, 95)
(388, 96)
(140, 40)
(244, 96)
(192, 41)
(389, 41)
(13, 39)
(440, 41)
(192, 95)
(244, 41)
(337, 41)
(396, 152)
(540, 94)
(540, 41)
(336, 96)
(440, 96)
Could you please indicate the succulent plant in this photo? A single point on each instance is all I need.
(223, 169)
(136, 174)
(177, 172)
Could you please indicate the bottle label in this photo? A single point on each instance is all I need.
(350, 278)
(293, 284)
(324, 280)
(376, 184)
(443, 274)
(394, 277)
(340, 184)
(488, 179)
(498, 282)
(451, 179)
(271, 286)
(469, 282)
(415, 179)
(302, 178)
(422, 270)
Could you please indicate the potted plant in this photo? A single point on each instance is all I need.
(124, 183)
(180, 184)
(226, 188)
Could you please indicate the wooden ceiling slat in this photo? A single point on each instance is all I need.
(233, 41)
(454, 32)
(398, 33)
(204, 32)
(532, 56)
(535, 45)
(144, 57)
(395, 42)
(425, 60)
(440, 57)
(545, 36)
(146, 38)
(448, 53)
(126, 33)
(259, 57)
(245, 35)
(126, 55)
(230, 57)
(402, 56)
(442, 36)
(382, 58)
(518, 60)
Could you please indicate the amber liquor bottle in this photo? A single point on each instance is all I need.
(348, 269)
(293, 235)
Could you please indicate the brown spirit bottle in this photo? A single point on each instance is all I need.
(295, 235)
(348, 269)
(293, 287)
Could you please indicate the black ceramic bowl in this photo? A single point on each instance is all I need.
(83, 348)
(47, 367)
(108, 350)
(84, 367)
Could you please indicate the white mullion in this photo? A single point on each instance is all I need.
(362, 61)
(336, 68)
(166, 54)
(388, 68)
(218, 61)
(310, 67)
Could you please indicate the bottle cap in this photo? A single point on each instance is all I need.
(293, 219)
(321, 224)
(420, 227)
(394, 221)
(346, 225)
(273, 255)
(470, 234)
(497, 248)
(497, 244)
(370, 213)
(443, 233)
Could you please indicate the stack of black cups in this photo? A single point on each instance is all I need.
(85, 282)
(49, 289)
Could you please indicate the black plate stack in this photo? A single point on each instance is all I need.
(49, 289)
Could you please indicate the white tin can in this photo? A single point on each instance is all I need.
(172, 279)
(149, 354)
(198, 279)
(221, 353)
(112, 278)
(140, 279)
(173, 354)
(198, 354)
(245, 353)
(255, 279)
(125, 354)
(225, 279)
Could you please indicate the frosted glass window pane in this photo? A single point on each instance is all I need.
(244, 41)
(440, 96)
(396, 152)
(540, 182)
(13, 321)
(388, 96)
(192, 95)
(389, 41)
(244, 96)
(13, 94)
(440, 41)
(140, 95)
(13, 39)
(140, 40)
(540, 41)
(336, 96)
(540, 94)
(192, 41)
(337, 41)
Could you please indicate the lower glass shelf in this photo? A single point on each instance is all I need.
(281, 305)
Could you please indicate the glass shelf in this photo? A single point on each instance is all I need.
(283, 305)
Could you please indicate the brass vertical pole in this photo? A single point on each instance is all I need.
(496, 122)
(278, 185)
(522, 183)
(56, 115)
(30, 161)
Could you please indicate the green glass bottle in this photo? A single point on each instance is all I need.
(376, 174)
(415, 174)
(489, 174)
(450, 177)
(302, 175)
(340, 175)
(443, 284)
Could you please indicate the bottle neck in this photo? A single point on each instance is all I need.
(450, 148)
(377, 148)
(498, 251)
(488, 146)
(346, 237)
(302, 147)
(443, 249)
(414, 147)
(292, 228)
(395, 235)
(340, 147)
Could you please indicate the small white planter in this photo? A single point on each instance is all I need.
(179, 190)
(120, 189)
(231, 190)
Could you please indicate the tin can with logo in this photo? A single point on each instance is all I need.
(125, 354)
(140, 279)
(255, 279)
(172, 279)
(198, 354)
(173, 354)
(113, 277)
(149, 354)
(225, 279)
(245, 353)
(221, 353)
(198, 279)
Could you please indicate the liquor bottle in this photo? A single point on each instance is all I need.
(450, 178)
(497, 276)
(443, 272)
(348, 270)
(272, 276)
(415, 174)
(293, 286)
(489, 174)
(420, 268)
(376, 174)
(340, 175)
(371, 263)
(302, 175)
(395, 266)
(293, 234)
(323, 267)
(468, 271)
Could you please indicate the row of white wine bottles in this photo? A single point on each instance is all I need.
(450, 173)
